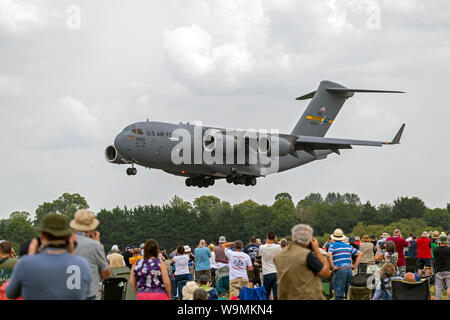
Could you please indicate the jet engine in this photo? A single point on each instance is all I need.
(270, 146)
(209, 142)
(113, 156)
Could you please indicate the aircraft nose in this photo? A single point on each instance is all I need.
(120, 142)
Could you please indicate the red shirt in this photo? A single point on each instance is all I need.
(423, 248)
(400, 244)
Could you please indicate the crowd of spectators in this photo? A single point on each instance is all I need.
(68, 261)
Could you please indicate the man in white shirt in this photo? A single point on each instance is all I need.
(268, 251)
(238, 263)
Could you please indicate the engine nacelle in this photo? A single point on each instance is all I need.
(272, 146)
(209, 142)
(113, 156)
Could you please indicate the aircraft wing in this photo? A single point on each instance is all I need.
(310, 143)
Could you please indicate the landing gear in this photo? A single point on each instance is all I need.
(205, 181)
(242, 180)
(201, 182)
(131, 171)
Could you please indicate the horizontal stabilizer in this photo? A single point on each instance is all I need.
(311, 143)
(347, 90)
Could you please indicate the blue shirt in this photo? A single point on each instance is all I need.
(342, 254)
(48, 276)
(202, 258)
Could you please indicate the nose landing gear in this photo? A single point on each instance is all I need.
(131, 171)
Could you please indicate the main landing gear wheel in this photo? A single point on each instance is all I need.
(201, 182)
(242, 180)
(131, 171)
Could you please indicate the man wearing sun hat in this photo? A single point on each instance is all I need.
(89, 247)
(340, 261)
(55, 273)
(441, 263)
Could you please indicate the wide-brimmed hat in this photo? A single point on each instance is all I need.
(385, 235)
(338, 235)
(443, 239)
(84, 221)
(222, 239)
(56, 225)
(187, 249)
(365, 238)
(425, 234)
(435, 235)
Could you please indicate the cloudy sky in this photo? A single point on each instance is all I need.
(75, 73)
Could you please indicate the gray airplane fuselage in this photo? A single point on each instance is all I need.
(152, 143)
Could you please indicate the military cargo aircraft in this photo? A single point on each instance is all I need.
(205, 154)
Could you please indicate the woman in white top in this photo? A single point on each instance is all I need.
(181, 261)
(213, 264)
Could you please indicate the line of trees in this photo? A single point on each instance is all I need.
(208, 217)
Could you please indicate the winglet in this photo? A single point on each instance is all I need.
(397, 137)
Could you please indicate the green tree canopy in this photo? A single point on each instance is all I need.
(405, 208)
(19, 229)
(283, 195)
(67, 205)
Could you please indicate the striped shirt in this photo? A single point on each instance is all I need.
(341, 254)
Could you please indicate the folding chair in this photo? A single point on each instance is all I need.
(359, 289)
(124, 272)
(223, 285)
(359, 293)
(403, 290)
(253, 294)
(114, 289)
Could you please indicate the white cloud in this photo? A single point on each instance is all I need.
(66, 123)
(191, 51)
(17, 16)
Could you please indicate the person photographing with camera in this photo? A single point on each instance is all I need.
(55, 273)
(301, 267)
(89, 247)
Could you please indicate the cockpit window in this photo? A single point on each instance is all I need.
(128, 129)
(132, 128)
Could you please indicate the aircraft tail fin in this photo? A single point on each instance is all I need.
(326, 102)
